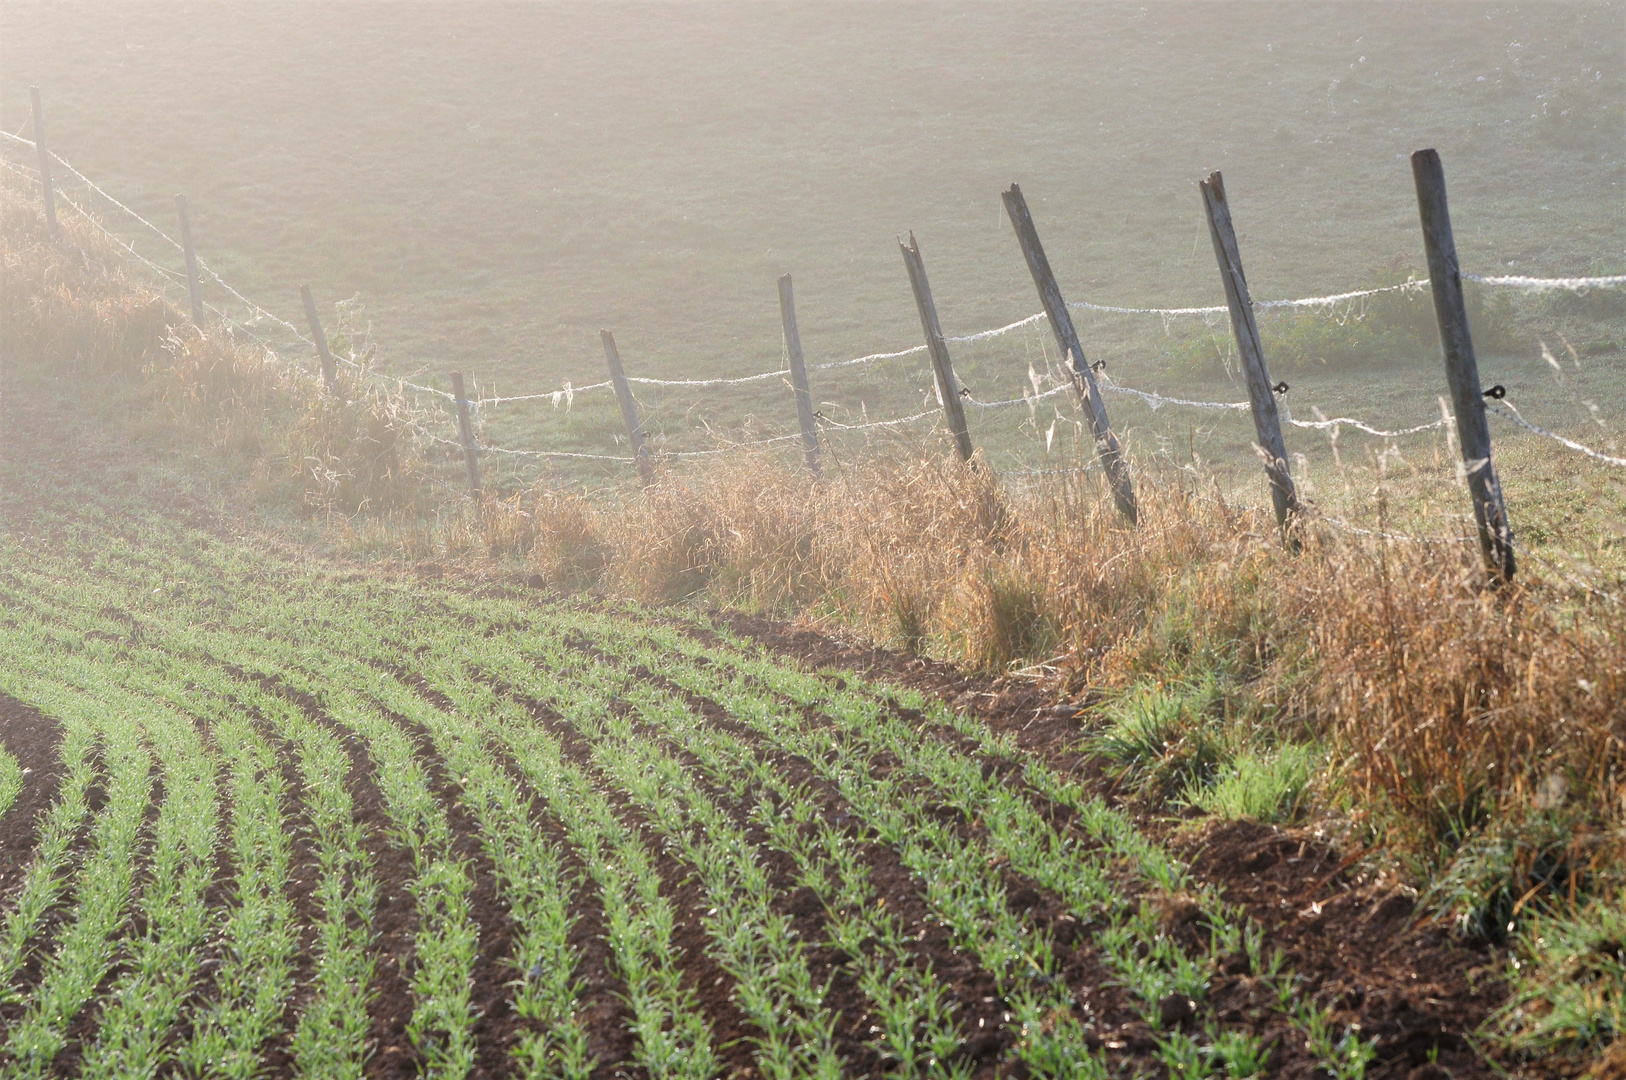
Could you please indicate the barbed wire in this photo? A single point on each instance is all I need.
(1438, 538)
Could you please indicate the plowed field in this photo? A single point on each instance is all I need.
(266, 815)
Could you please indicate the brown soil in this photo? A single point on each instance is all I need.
(35, 740)
(497, 1027)
(304, 874)
(1416, 988)
(980, 1011)
(395, 919)
(1413, 985)
(731, 1032)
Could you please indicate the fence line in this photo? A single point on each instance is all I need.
(170, 278)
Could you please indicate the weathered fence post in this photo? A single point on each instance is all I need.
(798, 376)
(192, 287)
(329, 376)
(465, 430)
(1461, 367)
(1061, 324)
(48, 193)
(629, 411)
(1267, 424)
(947, 388)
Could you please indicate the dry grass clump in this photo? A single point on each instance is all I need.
(1445, 705)
(1454, 702)
(70, 313)
(70, 303)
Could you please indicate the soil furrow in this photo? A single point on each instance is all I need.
(1421, 990)
(1122, 1030)
(304, 871)
(395, 920)
(496, 1026)
(603, 1010)
(731, 1031)
(35, 740)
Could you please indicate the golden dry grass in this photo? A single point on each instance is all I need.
(71, 315)
(1445, 703)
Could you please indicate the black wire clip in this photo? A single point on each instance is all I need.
(1099, 365)
(1281, 388)
(1496, 393)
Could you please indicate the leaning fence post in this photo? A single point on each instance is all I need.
(192, 288)
(1061, 324)
(947, 388)
(1267, 424)
(629, 411)
(1461, 367)
(328, 374)
(45, 162)
(798, 376)
(465, 430)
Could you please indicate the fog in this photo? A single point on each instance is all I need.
(497, 181)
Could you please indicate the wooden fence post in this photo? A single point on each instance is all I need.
(192, 288)
(465, 430)
(1061, 324)
(46, 190)
(328, 374)
(798, 376)
(629, 411)
(1461, 367)
(1267, 424)
(947, 388)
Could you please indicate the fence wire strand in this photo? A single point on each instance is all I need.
(172, 279)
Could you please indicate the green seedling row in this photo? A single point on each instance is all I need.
(11, 780)
(615, 733)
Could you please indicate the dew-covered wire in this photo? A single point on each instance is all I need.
(777, 374)
(731, 447)
(998, 331)
(567, 392)
(1029, 399)
(1441, 538)
(1535, 284)
(1344, 421)
(870, 359)
(202, 265)
(27, 172)
(1158, 400)
(1513, 415)
(826, 421)
(541, 453)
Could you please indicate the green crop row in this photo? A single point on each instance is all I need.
(961, 806)
(11, 780)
